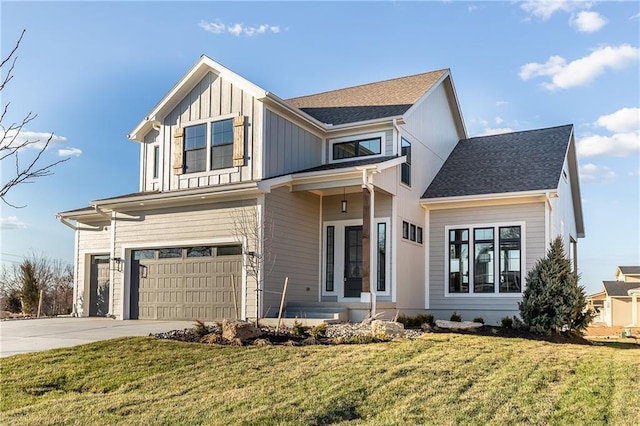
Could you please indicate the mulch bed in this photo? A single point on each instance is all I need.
(350, 333)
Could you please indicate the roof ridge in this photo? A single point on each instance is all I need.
(369, 84)
(521, 131)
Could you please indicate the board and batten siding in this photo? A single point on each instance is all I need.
(287, 147)
(433, 134)
(211, 99)
(294, 248)
(177, 227)
(90, 243)
(490, 308)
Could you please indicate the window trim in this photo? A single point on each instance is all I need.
(357, 138)
(209, 125)
(406, 163)
(496, 238)
(338, 289)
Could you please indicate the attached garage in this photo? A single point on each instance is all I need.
(186, 283)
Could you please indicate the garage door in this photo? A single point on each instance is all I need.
(186, 283)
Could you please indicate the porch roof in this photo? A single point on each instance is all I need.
(618, 288)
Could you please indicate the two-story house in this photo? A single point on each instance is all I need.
(368, 198)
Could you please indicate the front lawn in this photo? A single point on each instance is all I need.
(437, 379)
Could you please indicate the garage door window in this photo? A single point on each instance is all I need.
(144, 254)
(170, 253)
(199, 252)
(229, 250)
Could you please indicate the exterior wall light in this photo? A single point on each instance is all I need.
(344, 201)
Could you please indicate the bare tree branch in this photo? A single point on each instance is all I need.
(11, 145)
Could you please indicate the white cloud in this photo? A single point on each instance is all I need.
(12, 222)
(616, 145)
(624, 120)
(592, 173)
(38, 139)
(581, 71)
(495, 131)
(70, 152)
(237, 30)
(499, 120)
(636, 16)
(546, 8)
(501, 103)
(588, 22)
(475, 7)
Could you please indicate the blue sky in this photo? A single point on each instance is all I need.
(92, 70)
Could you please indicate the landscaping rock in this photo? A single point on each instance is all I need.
(386, 329)
(455, 325)
(239, 330)
(262, 342)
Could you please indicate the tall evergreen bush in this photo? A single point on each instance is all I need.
(30, 291)
(553, 301)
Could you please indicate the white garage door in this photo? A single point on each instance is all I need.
(186, 283)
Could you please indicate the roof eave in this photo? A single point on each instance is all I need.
(546, 193)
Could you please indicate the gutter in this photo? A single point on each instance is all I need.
(68, 224)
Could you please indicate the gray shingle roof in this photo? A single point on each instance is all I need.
(630, 270)
(511, 162)
(618, 288)
(380, 99)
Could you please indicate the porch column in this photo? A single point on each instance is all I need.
(634, 307)
(366, 240)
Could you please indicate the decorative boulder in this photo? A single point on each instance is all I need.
(386, 329)
(233, 330)
(455, 325)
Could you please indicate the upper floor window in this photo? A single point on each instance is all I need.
(156, 161)
(221, 139)
(473, 271)
(222, 144)
(405, 174)
(195, 148)
(358, 148)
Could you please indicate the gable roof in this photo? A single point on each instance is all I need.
(629, 270)
(370, 101)
(512, 162)
(618, 288)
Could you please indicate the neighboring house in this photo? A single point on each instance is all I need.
(369, 198)
(619, 302)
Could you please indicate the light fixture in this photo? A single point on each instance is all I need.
(117, 263)
(344, 200)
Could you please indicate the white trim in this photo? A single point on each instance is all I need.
(112, 255)
(496, 239)
(338, 262)
(431, 203)
(425, 240)
(125, 253)
(353, 138)
(76, 253)
(321, 244)
(394, 240)
(260, 208)
(142, 178)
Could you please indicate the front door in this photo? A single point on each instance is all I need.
(352, 261)
(99, 286)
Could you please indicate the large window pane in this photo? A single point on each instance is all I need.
(369, 147)
(357, 148)
(330, 258)
(222, 144)
(222, 132)
(510, 262)
(459, 261)
(144, 254)
(344, 150)
(221, 157)
(382, 255)
(483, 266)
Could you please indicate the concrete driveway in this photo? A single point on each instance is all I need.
(33, 335)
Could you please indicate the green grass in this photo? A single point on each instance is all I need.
(439, 379)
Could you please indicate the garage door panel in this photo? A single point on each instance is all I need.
(189, 289)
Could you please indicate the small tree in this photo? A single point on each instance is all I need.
(30, 290)
(553, 300)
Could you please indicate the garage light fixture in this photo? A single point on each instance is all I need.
(344, 200)
(117, 263)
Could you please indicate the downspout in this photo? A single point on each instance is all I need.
(367, 183)
(112, 255)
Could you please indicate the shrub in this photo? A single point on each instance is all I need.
(319, 331)
(479, 319)
(415, 321)
(553, 301)
(30, 293)
(507, 322)
(200, 329)
(455, 317)
(300, 330)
